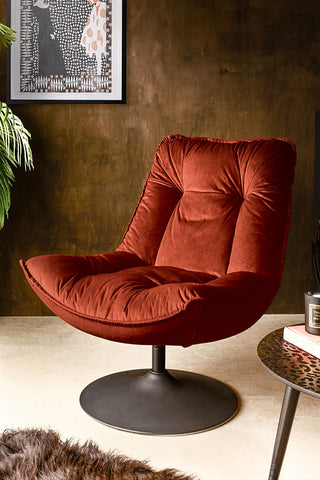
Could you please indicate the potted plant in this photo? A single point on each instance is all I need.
(15, 148)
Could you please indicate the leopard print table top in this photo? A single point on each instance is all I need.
(290, 364)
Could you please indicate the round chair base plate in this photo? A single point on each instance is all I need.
(169, 403)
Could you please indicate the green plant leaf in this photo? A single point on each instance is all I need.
(15, 151)
(7, 35)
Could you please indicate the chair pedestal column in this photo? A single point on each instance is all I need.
(158, 401)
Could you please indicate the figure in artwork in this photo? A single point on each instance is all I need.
(50, 55)
(94, 34)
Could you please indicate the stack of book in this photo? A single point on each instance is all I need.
(297, 335)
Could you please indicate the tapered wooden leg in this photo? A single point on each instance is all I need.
(289, 405)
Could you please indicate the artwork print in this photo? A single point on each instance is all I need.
(67, 51)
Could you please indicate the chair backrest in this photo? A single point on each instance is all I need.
(216, 206)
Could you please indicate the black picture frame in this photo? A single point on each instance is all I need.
(67, 51)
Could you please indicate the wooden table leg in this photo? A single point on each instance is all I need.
(289, 405)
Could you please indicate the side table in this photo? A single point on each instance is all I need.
(300, 372)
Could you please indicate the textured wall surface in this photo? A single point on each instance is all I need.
(218, 68)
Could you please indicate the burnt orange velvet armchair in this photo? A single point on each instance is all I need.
(201, 260)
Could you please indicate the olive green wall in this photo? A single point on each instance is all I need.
(219, 68)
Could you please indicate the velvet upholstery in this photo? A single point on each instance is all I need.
(202, 256)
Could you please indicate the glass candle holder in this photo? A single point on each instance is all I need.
(312, 311)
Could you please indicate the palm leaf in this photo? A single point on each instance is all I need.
(7, 35)
(15, 150)
(6, 176)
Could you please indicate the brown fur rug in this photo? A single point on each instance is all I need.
(34, 454)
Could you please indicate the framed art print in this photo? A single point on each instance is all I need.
(67, 51)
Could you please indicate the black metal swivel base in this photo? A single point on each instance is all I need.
(159, 402)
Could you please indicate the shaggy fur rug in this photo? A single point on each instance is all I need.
(34, 454)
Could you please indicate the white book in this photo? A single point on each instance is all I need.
(298, 335)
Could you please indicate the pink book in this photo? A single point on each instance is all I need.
(298, 335)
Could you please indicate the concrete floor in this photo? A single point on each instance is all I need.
(45, 363)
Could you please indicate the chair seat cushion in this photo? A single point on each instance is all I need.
(109, 294)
